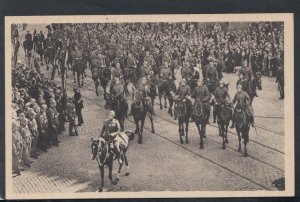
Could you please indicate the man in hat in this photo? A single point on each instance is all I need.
(243, 102)
(220, 96)
(184, 93)
(78, 102)
(53, 123)
(71, 114)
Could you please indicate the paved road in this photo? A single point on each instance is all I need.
(162, 163)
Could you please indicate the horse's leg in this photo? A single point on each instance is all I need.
(223, 137)
(200, 134)
(142, 129)
(165, 98)
(110, 167)
(159, 96)
(246, 140)
(186, 131)
(152, 125)
(180, 131)
(96, 86)
(225, 133)
(119, 171)
(239, 137)
(126, 163)
(101, 178)
(82, 77)
(170, 106)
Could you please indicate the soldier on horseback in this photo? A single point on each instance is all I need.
(247, 75)
(211, 76)
(220, 95)
(201, 94)
(118, 92)
(108, 132)
(184, 94)
(243, 103)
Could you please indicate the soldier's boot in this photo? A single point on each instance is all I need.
(251, 119)
(214, 116)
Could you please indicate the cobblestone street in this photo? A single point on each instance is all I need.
(161, 163)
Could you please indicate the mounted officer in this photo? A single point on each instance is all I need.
(201, 94)
(211, 76)
(184, 94)
(220, 96)
(118, 92)
(110, 127)
(243, 102)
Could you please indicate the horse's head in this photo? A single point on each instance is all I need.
(97, 146)
(198, 108)
(137, 97)
(180, 108)
(240, 118)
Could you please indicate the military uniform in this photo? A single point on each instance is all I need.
(32, 124)
(110, 126)
(246, 72)
(221, 95)
(201, 93)
(53, 125)
(243, 99)
(150, 60)
(27, 139)
(146, 70)
(78, 107)
(183, 92)
(211, 74)
(43, 127)
(71, 114)
(165, 72)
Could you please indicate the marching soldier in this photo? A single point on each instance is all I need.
(53, 123)
(243, 102)
(220, 96)
(78, 102)
(71, 114)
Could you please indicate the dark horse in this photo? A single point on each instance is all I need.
(119, 106)
(183, 115)
(28, 46)
(106, 155)
(224, 115)
(250, 86)
(78, 68)
(100, 74)
(140, 109)
(242, 126)
(200, 116)
(165, 87)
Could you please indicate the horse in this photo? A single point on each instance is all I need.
(140, 110)
(105, 155)
(100, 72)
(250, 86)
(119, 106)
(224, 115)
(78, 68)
(15, 47)
(28, 46)
(153, 80)
(183, 115)
(211, 85)
(165, 87)
(200, 117)
(242, 126)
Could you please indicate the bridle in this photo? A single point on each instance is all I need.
(100, 151)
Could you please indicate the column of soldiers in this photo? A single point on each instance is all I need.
(40, 110)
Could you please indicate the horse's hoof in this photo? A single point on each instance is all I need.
(226, 141)
(100, 189)
(181, 141)
(223, 147)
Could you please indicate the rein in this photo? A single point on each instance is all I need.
(99, 153)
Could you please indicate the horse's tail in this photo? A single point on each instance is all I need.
(130, 134)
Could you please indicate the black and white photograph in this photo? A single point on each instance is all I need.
(149, 106)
